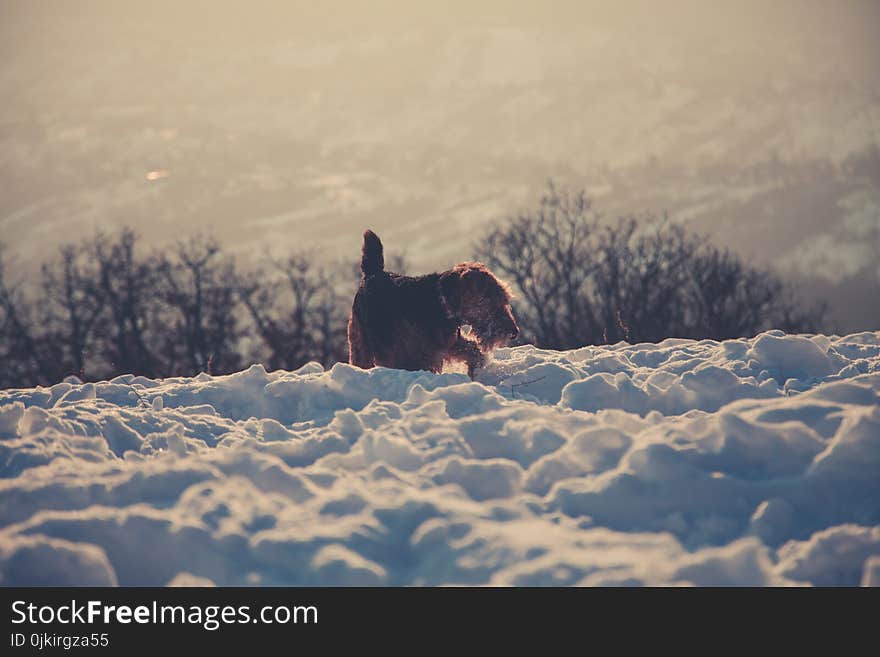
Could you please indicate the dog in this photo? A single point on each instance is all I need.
(414, 322)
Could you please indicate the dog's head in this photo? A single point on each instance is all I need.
(474, 296)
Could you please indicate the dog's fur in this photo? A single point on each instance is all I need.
(414, 322)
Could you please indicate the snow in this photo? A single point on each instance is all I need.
(744, 462)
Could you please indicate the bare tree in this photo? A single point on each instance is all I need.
(581, 281)
(24, 361)
(70, 305)
(298, 312)
(548, 256)
(197, 282)
(128, 330)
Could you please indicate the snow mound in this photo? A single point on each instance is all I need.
(744, 462)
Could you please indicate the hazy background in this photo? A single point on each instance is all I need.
(289, 127)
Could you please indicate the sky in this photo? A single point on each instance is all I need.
(286, 126)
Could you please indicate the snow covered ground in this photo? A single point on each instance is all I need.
(746, 462)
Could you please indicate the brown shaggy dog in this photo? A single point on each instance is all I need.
(414, 322)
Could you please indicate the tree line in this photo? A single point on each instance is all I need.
(581, 280)
(107, 306)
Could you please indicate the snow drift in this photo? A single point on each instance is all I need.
(744, 462)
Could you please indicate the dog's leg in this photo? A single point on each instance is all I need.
(359, 353)
(467, 351)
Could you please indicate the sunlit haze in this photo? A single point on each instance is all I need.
(283, 126)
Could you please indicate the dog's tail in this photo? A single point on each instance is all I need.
(372, 259)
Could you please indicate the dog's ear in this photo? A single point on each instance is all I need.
(471, 273)
(479, 284)
(450, 289)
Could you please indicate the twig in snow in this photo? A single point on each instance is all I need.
(513, 386)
